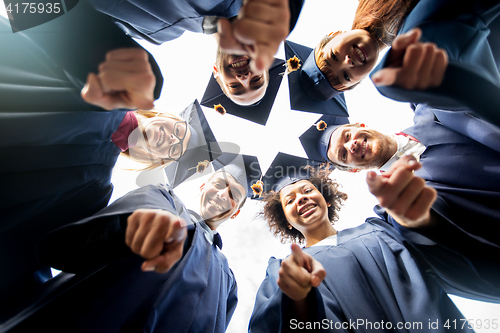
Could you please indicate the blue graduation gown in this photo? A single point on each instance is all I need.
(45, 67)
(466, 175)
(56, 169)
(161, 21)
(468, 31)
(197, 295)
(56, 161)
(372, 279)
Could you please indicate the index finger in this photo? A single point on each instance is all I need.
(300, 257)
(127, 54)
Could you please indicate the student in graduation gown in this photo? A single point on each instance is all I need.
(197, 294)
(468, 32)
(358, 280)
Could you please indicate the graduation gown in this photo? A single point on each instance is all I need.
(468, 31)
(161, 21)
(56, 159)
(45, 67)
(372, 283)
(466, 175)
(197, 295)
(56, 169)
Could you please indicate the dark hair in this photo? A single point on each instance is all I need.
(381, 18)
(273, 210)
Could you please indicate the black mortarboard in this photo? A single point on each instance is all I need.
(285, 170)
(202, 147)
(316, 142)
(310, 91)
(258, 113)
(245, 169)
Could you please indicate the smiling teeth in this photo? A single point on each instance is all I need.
(239, 63)
(363, 151)
(213, 203)
(162, 138)
(307, 208)
(360, 54)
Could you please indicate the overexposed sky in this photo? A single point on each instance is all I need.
(186, 65)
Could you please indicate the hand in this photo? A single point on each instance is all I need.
(299, 272)
(258, 31)
(157, 236)
(125, 80)
(413, 64)
(406, 197)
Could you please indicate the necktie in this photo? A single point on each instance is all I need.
(218, 241)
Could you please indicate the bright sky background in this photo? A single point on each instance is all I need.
(186, 65)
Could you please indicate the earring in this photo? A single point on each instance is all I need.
(290, 226)
(328, 204)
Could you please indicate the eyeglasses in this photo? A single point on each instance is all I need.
(177, 150)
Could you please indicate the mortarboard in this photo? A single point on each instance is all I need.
(286, 169)
(309, 89)
(258, 113)
(316, 142)
(245, 169)
(201, 147)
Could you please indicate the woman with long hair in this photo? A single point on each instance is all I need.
(346, 57)
(425, 36)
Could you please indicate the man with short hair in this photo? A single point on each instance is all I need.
(249, 33)
(196, 290)
(465, 171)
(237, 80)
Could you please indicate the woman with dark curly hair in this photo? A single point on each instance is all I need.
(308, 191)
(364, 280)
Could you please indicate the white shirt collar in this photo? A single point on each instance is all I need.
(405, 147)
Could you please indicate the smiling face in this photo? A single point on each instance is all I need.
(163, 137)
(356, 146)
(304, 206)
(237, 80)
(348, 58)
(221, 198)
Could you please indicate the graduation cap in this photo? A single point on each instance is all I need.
(201, 147)
(286, 169)
(259, 112)
(316, 142)
(245, 169)
(309, 89)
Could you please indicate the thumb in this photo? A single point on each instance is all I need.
(92, 92)
(318, 273)
(386, 77)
